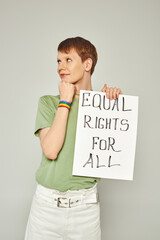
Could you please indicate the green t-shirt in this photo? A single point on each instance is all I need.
(57, 174)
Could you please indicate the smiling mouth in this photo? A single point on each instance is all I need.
(64, 75)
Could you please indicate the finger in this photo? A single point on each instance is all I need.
(111, 93)
(107, 92)
(75, 90)
(114, 93)
(118, 92)
(59, 85)
(104, 88)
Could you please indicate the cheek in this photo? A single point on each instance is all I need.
(78, 74)
(79, 71)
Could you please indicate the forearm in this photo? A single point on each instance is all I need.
(54, 139)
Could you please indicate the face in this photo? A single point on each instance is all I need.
(70, 67)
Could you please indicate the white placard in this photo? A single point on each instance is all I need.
(105, 136)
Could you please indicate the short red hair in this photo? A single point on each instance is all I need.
(83, 47)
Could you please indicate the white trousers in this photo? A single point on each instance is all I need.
(49, 220)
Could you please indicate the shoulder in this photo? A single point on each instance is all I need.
(49, 99)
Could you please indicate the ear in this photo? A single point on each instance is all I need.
(88, 64)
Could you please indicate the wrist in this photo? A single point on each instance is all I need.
(64, 103)
(66, 99)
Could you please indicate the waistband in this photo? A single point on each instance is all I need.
(69, 198)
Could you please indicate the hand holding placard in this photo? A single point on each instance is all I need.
(106, 136)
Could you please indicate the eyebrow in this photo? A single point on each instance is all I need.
(68, 56)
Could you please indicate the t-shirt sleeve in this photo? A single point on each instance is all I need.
(45, 114)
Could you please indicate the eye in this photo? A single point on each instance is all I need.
(58, 61)
(68, 59)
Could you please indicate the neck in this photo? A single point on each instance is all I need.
(84, 84)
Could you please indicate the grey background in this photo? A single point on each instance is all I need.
(127, 36)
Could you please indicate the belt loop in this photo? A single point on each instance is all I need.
(97, 196)
(58, 201)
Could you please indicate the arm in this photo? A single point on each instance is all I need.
(52, 138)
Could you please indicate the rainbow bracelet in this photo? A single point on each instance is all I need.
(64, 104)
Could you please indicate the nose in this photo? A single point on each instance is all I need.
(61, 66)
